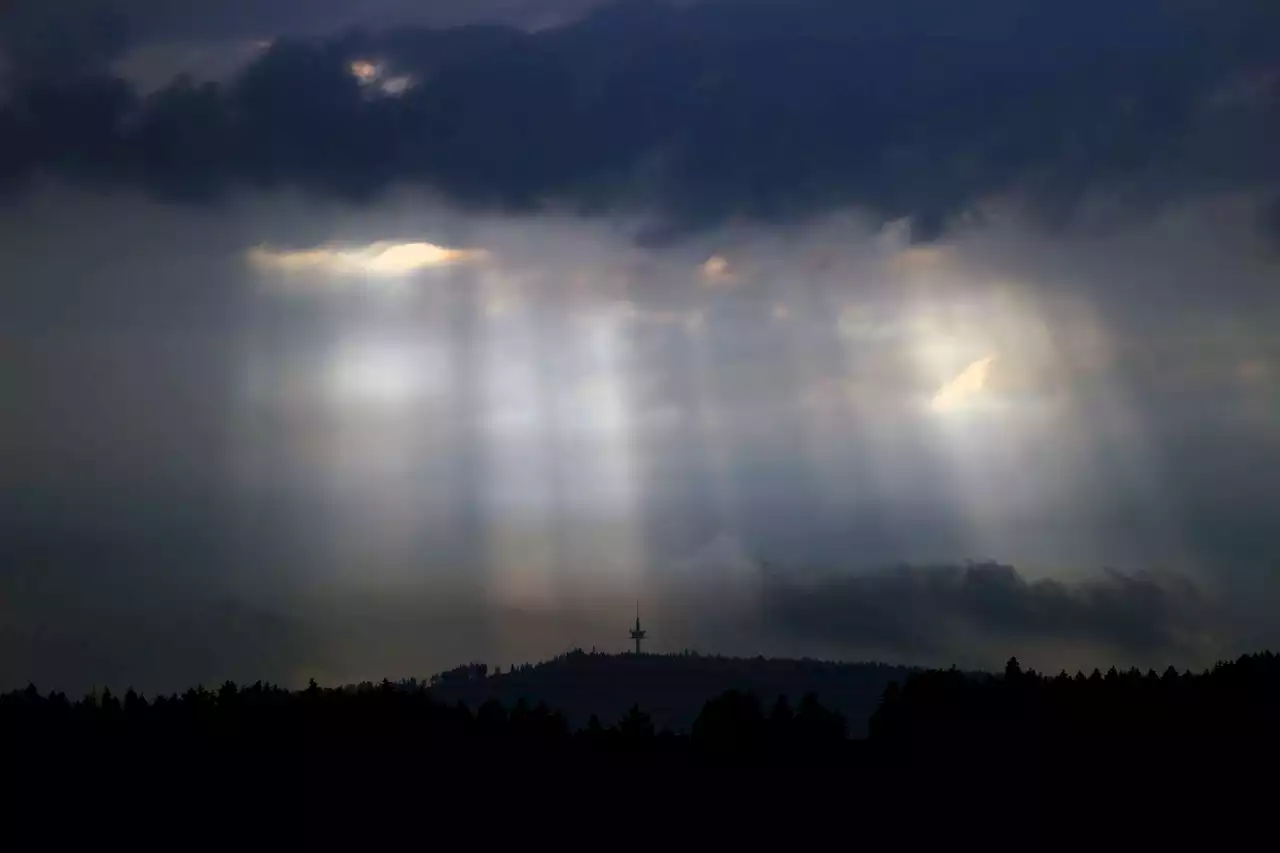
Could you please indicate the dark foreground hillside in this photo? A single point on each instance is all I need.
(397, 750)
(671, 689)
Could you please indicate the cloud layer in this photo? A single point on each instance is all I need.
(968, 614)
(768, 109)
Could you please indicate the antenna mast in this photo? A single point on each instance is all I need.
(638, 633)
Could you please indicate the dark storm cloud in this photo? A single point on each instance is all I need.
(54, 42)
(771, 109)
(933, 612)
(151, 20)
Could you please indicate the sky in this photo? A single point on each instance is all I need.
(355, 341)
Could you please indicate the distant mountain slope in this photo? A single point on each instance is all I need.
(671, 688)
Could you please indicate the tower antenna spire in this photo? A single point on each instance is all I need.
(638, 633)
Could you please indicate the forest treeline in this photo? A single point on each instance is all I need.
(400, 718)
(930, 710)
(1233, 701)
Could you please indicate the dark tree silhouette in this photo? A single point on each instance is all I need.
(385, 737)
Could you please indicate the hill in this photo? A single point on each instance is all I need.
(672, 689)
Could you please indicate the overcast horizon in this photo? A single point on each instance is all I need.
(378, 344)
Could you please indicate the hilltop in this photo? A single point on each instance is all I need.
(672, 689)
